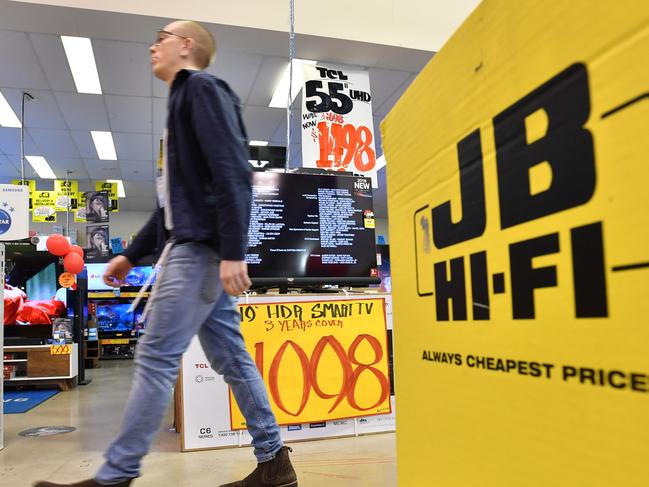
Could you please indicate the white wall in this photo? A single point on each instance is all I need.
(123, 224)
(415, 24)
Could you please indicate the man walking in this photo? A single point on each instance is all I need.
(204, 197)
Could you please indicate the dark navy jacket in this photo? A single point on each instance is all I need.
(209, 174)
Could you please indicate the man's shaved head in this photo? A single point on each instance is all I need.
(205, 46)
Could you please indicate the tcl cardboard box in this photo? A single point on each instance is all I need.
(518, 179)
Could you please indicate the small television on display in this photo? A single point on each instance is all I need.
(311, 230)
(136, 277)
(114, 317)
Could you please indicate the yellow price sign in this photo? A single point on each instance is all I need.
(60, 350)
(320, 360)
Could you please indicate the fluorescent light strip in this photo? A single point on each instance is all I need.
(104, 145)
(280, 97)
(120, 187)
(41, 167)
(8, 117)
(82, 64)
(262, 143)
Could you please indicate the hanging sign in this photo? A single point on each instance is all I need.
(80, 212)
(111, 189)
(337, 123)
(31, 184)
(519, 238)
(320, 360)
(44, 206)
(14, 212)
(67, 194)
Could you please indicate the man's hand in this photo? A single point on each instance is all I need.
(234, 276)
(116, 271)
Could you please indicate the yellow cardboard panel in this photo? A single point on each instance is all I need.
(519, 226)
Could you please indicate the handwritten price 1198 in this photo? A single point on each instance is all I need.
(351, 368)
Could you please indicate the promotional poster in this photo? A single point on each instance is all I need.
(337, 123)
(97, 239)
(97, 207)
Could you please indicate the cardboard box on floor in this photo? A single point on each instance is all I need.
(518, 180)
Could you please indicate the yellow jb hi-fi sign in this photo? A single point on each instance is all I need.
(519, 222)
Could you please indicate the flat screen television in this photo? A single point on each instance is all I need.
(134, 279)
(310, 230)
(114, 317)
(43, 284)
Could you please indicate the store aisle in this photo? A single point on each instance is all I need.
(96, 409)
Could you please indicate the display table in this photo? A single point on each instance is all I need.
(203, 410)
(41, 366)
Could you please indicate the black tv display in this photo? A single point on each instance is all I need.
(114, 317)
(308, 230)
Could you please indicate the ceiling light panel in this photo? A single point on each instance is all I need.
(280, 96)
(104, 145)
(41, 167)
(259, 142)
(121, 193)
(81, 59)
(8, 117)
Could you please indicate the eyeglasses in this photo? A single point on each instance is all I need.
(165, 34)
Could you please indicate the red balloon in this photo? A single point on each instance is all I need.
(73, 263)
(58, 245)
(77, 250)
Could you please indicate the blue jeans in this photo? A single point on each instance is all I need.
(188, 299)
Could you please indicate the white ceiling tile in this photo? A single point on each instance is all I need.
(54, 143)
(102, 170)
(129, 114)
(7, 169)
(60, 166)
(83, 111)
(261, 121)
(43, 112)
(50, 53)
(36, 18)
(382, 110)
(124, 67)
(269, 75)
(137, 170)
(84, 143)
(135, 147)
(159, 115)
(238, 69)
(10, 142)
(384, 82)
(20, 66)
(44, 184)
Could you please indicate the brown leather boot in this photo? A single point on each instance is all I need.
(85, 483)
(277, 472)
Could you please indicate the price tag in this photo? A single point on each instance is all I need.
(60, 350)
(337, 123)
(67, 280)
